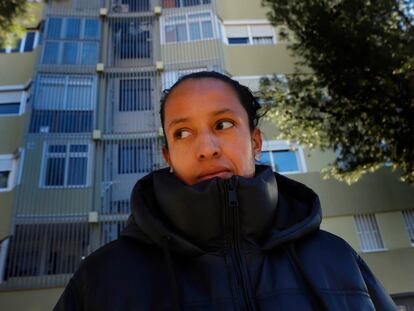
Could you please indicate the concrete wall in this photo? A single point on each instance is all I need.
(30, 300)
(17, 68)
(375, 192)
(240, 9)
(6, 205)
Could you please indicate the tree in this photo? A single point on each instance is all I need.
(14, 16)
(357, 97)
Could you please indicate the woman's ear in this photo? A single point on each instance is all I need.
(256, 141)
(166, 155)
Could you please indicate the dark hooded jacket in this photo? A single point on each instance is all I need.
(237, 244)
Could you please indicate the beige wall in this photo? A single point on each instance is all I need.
(186, 52)
(29, 300)
(17, 68)
(39, 201)
(258, 60)
(11, 132)
(395, 269)
(375, 192)
(6, 200)
(343, 227)
(240, 9)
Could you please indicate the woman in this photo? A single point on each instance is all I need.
(216, 232)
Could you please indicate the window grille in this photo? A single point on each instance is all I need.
(46, 249)
(409, 224)
(135, 95)
(368, 233)
(135, 157)
(63, 103)
(183, 3)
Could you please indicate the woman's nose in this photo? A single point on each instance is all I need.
(208, 146)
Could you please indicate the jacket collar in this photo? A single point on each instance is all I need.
(273, 210)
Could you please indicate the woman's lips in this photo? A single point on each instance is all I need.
(224, 174)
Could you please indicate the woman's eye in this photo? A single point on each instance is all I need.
(222, 125)
(180, 134)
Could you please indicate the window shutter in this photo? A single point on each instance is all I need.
(236, 32)
(261, 30)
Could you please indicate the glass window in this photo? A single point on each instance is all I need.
(262, 40)
(368, 232)
(54, 27)
(66, 165)
(195, 33)
(89, 53)
(194, 26)
(77, 171)
(51, 53)
(240, 40)
(265, 158)
(9, 108)
(4, 179)
(409, 224)
(91, 29)
(207, 29)
(73, 26)
(28, 45)
(55, 172)
(16, 48)
(70, 53)
(285, 161)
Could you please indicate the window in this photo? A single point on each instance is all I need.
(66, 165)
(25, 44)
(170, 77)
(124, 6)
(188, 27)
(135, 157)
(255, 34)
(368, 233)
(132, 38)
(282, 157)
(409, 224)
(9, 165)
(63, 103)
(71, 41)
(4, 244)
(135, 95)
(183, 3)
(47, 249)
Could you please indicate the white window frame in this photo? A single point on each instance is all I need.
(213, 19)
(275, 145)
(409, 224)
(67, 156)
(22, 101)
(368, 232)
(10, 162)
(248, 24)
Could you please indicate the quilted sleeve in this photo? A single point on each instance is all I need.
(382, 301)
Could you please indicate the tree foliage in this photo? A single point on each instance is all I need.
(14, 16)
(357, 98)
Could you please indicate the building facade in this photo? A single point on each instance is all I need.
(79, 102)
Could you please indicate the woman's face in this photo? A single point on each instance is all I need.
(207, 131)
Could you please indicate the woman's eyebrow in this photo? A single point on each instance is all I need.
(221, 111)
(177, 121)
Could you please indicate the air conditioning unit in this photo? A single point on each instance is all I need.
(120, 8)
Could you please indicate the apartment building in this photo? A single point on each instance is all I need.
(79, 102)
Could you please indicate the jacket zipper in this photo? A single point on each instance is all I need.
(234, 226)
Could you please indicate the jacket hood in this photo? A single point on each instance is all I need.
(272, 210)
